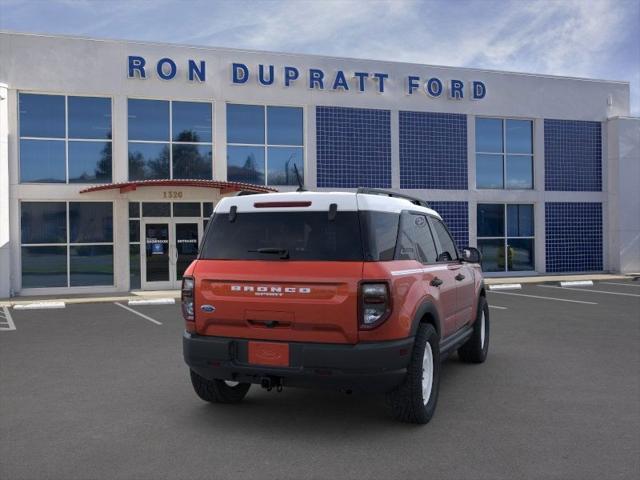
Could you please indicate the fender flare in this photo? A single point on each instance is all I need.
(426, 307)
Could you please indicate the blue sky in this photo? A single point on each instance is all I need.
(583, 38)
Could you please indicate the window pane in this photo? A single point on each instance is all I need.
(42, 161)
(134, 230)
(519, 171)
(520, 254)
(89, 117)
(192, 161)
(43, 222)
(191, 122)
(520, 220)
(379, 233)
(489, 135)
(89, 162)
(44, 267)
(489, 171)
(186, 209)
(148, 120)
(519, 136)
(156, 209)
(245, 164)
(245, 124)
(148, 161)
(207, 209)
(490, 220)
(134, 267)
(41, 115)
(134, 210)
(90, 222)
(284, 126)
(91, 265)
(280, 161)
(492, 255)
(447, 250)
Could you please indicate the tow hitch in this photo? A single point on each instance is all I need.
(269, 383)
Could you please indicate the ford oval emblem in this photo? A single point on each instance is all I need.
(208, 308)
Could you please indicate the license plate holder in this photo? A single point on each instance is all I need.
(272, 354)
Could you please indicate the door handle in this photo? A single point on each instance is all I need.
(436, 282)
(459, 277)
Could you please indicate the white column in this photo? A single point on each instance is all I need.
(5, 244)
(540, 243)
(395, 149)
(220, 141)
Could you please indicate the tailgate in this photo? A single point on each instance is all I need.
(298, 301)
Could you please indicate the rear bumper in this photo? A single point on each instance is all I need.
(368, 367)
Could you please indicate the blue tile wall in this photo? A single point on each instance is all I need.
(573, 236)
(572, 155)
(433, 150)
(456, 216)
(353, 147)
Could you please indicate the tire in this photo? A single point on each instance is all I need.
(408, 402)
(218, 391)
(475, 349)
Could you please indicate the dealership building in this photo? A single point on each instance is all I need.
(114, 153)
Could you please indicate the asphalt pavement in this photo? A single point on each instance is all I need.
(97, 391)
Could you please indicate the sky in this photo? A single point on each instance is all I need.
(580, 38)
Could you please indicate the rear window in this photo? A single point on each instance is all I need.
(278, 235)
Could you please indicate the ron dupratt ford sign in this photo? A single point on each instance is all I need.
(314, 78)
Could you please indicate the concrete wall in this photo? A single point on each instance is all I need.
(5, 246)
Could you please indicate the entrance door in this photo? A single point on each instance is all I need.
(170, 245)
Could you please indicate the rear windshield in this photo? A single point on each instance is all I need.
(284, 236)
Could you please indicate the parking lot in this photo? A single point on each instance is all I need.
(101, 391)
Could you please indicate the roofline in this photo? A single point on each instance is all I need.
(315, 55)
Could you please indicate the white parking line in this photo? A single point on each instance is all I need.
(591, 290)
(8, 324)
(39, 305)
(138, 313)
(497, 307)
(152, 301)
(546, 298)
(622, 284)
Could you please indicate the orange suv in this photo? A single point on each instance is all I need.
(357, 291)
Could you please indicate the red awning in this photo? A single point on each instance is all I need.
(224, 187)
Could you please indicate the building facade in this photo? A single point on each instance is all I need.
(113, 154)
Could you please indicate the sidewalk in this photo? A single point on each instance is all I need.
(175, 294)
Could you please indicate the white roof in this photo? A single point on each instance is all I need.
(320, 201)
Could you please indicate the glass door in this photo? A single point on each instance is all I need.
(187, 234)
(156, 260)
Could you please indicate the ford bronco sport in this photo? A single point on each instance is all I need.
(357, 291)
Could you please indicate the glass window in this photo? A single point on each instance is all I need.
(191, 122)
(89, 162)
(284, 126)
(156, 209)
(90, 222)
(245, 124)
(44, 267)
(519, 172)
(490, 220)
(134, 230)
(207, 209)
(520, 254)
(489, 171)
(148, 119)
(91, 265)
(379, 232)
(245, 164)
(148, 161)
(492, 251)
(186, 209)
(43, 222)
(89, 117)
(489, 135)
(192, 161)
(134, 266)
(447, 251)
(42, 161)
(134, 210)
(42, 115)
(520, 220)
(281, 165)
(519, 136)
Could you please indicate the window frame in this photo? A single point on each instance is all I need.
(66, 139)
(504, 154)
(506, 236)
(266, 145)
(170, 142)
(436, 239)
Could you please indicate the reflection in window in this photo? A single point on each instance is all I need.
(43, 222)
(44, 267)
(148, 161)
(91, 265)
(42, 116)
(90, 222)
(89, 117)
(250, 154)
(42, 161)
(148, 120)
(504, 153)
(191, 122)
(192, 161)
(89, 162)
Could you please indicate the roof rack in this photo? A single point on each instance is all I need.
(243, 193)
(389, 193)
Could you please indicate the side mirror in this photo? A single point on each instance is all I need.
(471, 255)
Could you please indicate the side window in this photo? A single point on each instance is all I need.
(447, 251)
(415, 241)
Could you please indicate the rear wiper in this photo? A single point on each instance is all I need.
(283, 252)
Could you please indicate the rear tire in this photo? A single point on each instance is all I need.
(475, 349)
(415, 400)
(218, 391)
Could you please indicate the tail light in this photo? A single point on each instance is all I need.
(375, 304)
(187, 299)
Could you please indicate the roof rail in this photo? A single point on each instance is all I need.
(243, 193)
(389, 193)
